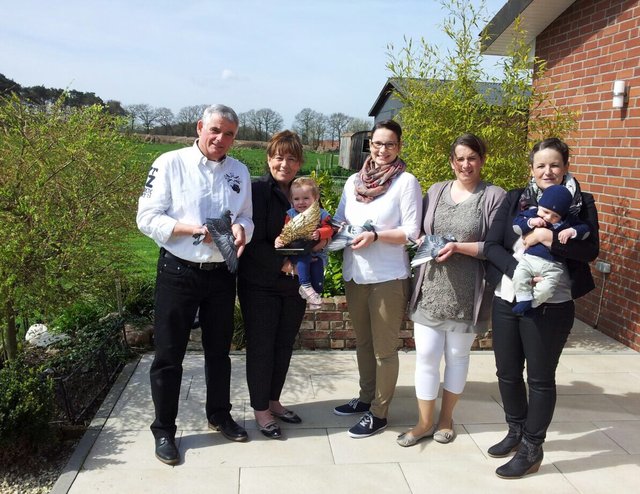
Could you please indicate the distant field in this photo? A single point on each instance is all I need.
(256, 159)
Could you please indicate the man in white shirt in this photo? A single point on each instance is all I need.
(183, 189)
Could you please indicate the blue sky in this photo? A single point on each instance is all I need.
(249, 54)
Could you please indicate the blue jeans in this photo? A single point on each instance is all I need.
(537, 339)
(310, 271)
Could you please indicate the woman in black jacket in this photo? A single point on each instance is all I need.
(272, 308)
(538, 336)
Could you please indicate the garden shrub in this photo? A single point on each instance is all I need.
(26, 404)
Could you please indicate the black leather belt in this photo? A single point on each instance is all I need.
(205, 266)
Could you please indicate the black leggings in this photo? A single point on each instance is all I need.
(537, 338)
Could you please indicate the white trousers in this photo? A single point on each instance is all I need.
(431, 345)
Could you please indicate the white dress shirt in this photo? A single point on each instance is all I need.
(184, 186)
(399, 207)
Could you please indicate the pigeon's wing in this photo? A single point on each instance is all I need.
(344, 237)
(429, 248)
(220, 230)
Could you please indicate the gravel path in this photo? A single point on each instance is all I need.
(38, 474)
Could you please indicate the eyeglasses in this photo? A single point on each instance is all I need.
(387, 145)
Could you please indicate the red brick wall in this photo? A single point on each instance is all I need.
(331, 329)
(593, 43)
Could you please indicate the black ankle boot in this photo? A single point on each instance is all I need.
(509, 444)
(526, 460)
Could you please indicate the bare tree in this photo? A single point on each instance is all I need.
(146, 114)
(304, 123)
(133, 112)
(245, 129)
(318, 129)
(359, 124)
(338, 123)
(269, 121)
(188, 117)
(165, 118)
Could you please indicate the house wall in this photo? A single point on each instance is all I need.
(593, 43)
(389, 109)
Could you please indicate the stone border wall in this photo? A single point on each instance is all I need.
(330, 329)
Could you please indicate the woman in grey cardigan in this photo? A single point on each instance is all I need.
(450, 304)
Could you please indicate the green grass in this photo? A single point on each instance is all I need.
(256, 159)
(143, 255)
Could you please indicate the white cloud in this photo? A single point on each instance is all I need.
(228, 75)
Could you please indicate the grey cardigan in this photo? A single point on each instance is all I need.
(492, 199)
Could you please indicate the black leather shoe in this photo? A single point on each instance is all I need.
(166, 451)
(288, 416)
(271, 430)
(229, 429)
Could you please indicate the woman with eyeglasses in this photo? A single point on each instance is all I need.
(450, 302)
(376, 271)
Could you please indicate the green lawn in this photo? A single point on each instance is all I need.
(256, 159)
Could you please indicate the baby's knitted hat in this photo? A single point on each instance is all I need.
(557, 198)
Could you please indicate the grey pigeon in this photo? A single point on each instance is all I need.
(430, 247)
(344, 237)
(220, 230)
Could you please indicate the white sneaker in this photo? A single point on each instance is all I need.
(310, 295)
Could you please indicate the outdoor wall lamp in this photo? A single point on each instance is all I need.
(619, 94)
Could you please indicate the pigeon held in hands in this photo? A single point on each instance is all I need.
(222, 235)
(345, 235)
(430, 247)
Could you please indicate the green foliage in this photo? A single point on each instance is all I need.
(105, 334)
(26, 399)
(447, 94)
(333, 280)
(69, 181)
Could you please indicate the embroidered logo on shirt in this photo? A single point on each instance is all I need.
(148, 187)
(233, 181)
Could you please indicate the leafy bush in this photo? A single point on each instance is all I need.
(70, 175)
(26, 404)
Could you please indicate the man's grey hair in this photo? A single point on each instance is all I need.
(224, 111)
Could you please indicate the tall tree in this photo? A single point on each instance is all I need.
(269, 122)
(359, 125)
(147, 115)
(338, 123)
(305, 124)
(188, 117)
(165, 118)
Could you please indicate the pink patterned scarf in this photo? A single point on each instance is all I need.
(372, 181)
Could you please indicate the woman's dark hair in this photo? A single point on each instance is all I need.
(391, 125)
(551, 143)
(471, 141)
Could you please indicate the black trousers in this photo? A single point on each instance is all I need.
(272, 318)
(180, 291)
(537, 339)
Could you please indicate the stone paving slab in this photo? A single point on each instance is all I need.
(593, 444)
